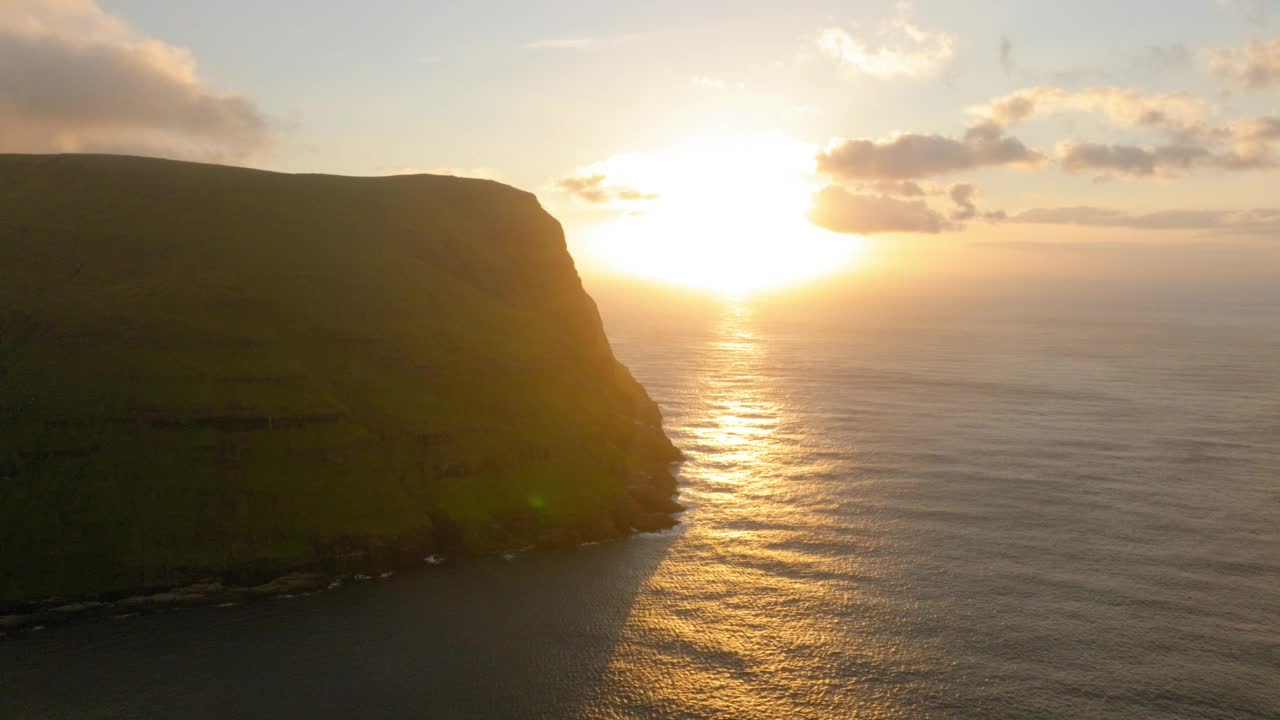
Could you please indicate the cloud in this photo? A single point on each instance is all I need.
(1241, 146)
(1259, 220)
(910, 155)
(902, 49)
(597, 190)
(1254, 11)
(901, 188)
(1260, 130)
(1255, 66)
(1006, 55)
(1163, 58)
(1252, 143)
(1123, 106)
(633, 194)
(589, 188)
(1079, 157)
(962, 195)
(75, 79)
(841, 211)
(1189, 142)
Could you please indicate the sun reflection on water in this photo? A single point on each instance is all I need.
(738, 597)
(737, 414)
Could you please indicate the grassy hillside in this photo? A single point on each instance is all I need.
(207, 369)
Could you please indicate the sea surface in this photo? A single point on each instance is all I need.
(944, 512)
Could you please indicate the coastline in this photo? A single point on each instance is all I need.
(267, 404)
(645, 508)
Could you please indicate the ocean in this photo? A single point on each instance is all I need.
(954, 510)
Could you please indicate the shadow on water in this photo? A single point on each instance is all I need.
(531, 637)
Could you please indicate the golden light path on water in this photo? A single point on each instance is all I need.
(748, 597)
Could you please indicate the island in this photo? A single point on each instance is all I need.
(223, 376)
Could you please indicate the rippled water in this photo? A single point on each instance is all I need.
(955, 515)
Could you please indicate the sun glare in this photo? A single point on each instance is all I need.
(726, 215)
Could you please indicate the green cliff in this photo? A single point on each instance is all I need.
(208, 370)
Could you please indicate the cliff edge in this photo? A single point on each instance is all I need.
(209, 371)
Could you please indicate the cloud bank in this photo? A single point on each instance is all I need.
(912, 156)
(1259, 220)
(1122, 106)
(838, 210)
(75, 79)
(1189, 141)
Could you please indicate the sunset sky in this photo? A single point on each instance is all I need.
(799, 136)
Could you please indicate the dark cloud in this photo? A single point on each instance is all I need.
(1261, 220)
(911, 155)
(1006, 55)
(73, 79)
(1079, 157)
(839, 210)
(1167, 160)
(900, 188)
(962, 195)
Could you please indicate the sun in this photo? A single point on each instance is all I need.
(722, 214)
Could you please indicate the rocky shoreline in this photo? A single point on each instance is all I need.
(649, 506)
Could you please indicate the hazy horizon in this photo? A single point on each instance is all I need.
(722, 146)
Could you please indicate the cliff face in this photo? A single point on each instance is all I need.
(212, 370)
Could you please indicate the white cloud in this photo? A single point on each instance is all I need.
(900, 48)
(1187, 141)
(75, 79)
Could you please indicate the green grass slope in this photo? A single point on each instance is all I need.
(207, 369)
